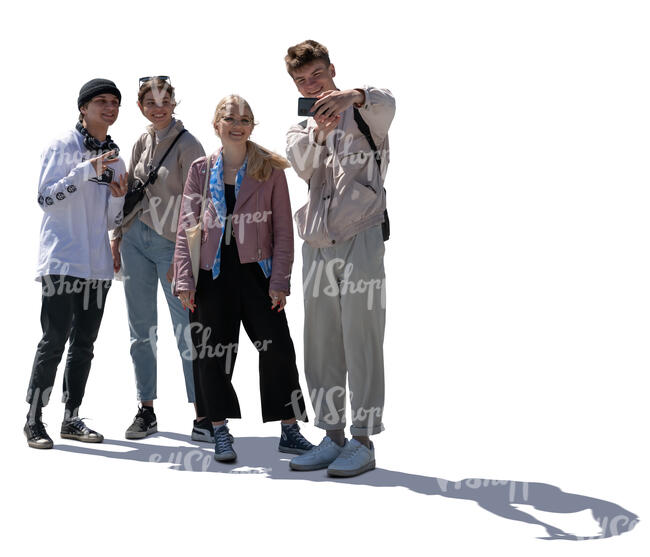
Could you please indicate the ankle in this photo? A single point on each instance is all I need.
(34, 416)
(363, 439)
(70, 413)
(337, 435)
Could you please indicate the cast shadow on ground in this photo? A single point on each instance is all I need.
(259, 455)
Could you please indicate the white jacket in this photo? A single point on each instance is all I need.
(79, 210)
(346, 193)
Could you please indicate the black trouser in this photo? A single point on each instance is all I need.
(240, 294)
(71, 308)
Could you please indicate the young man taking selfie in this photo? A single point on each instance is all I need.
(341, 151)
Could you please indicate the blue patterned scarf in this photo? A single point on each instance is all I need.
(218, 193)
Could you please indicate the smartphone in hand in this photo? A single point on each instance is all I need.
(305, 105)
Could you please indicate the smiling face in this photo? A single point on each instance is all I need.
(314, 78)
(234, 124)
(101, 111)
(157, 110)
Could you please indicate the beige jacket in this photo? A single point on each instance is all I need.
(160, 207)
(346, 193)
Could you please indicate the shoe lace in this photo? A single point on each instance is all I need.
(293, 433)
(139, 417)
(37, 429)
(78, 423)
(348, 450)
(222, 440)
(322, 445)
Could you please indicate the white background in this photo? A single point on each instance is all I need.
(518, 309)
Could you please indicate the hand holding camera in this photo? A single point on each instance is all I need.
(326, 109)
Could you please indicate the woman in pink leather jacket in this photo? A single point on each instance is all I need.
(245, 266)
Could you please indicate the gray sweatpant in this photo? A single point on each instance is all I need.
(345, 314)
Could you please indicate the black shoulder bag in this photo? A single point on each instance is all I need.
(365, 130)
(136, 191)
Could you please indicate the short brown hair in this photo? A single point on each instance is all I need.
(81, 115)
(160, 88)
(304, 53)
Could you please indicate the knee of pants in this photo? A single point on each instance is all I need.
(52, 344)
(81, 353)
(82, 342)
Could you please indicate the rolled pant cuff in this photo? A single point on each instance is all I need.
(366, 431)
(148, 397)
(328, 427)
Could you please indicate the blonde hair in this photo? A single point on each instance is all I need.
(261, 161)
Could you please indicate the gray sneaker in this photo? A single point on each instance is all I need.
(320, 456)
(37, 437)
(74, 428)
(355, 459)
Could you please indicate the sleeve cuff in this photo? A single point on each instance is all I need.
(312, 138)
(366, 104)
(118, 201)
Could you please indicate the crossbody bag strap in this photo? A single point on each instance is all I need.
(206, 185)
(365, 130)
(153, 175)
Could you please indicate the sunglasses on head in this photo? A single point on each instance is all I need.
(143, 80)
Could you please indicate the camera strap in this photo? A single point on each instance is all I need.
(136, 194)
(153, 175)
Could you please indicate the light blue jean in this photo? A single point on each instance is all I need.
(146, 257)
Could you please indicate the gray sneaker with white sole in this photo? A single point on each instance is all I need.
(355, 459)
(320, 456)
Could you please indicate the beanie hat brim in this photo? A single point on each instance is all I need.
(97, 87)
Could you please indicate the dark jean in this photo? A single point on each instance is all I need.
(72, 308)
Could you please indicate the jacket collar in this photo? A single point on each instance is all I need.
(248, 184)
(176, 128)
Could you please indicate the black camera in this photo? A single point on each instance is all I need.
(137, 185)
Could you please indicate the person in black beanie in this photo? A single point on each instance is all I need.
(81, 192)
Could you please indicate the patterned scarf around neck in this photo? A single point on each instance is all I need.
(218, 193)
